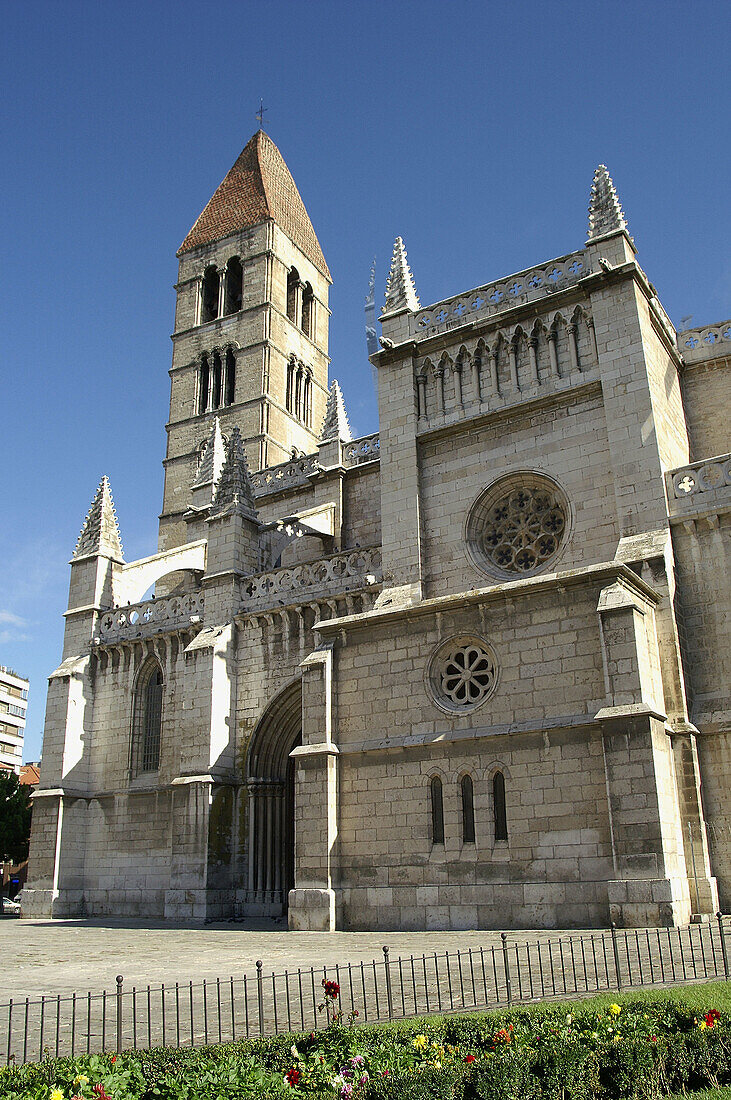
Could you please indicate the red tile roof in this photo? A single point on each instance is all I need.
(30, 774)
(258, 187)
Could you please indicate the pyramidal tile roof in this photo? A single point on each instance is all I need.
(234, 486)
(258, 187)
(336, 424)
(400, 289)
(214, 458)
(605, 212)
(100, 533)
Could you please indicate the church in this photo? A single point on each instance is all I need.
(469, 671)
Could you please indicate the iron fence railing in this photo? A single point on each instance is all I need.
(226, 1009)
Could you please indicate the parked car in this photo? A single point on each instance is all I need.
(11, 908)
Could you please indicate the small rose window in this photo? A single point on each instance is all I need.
(518, 525)
(462, 673)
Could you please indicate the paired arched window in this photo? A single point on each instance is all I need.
(300, 303)
(500, 819)
(299, 391)
(468, 810)
(216, 380)
(221, 291)
(437, 811)
(147, 723)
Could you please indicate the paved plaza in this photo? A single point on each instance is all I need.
(52, 957)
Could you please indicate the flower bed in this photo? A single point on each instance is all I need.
(643, 1047)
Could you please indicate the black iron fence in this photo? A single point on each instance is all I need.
(225, 1009)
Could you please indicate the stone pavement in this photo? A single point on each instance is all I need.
(51, 957)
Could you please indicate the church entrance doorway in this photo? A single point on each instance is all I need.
(270, 791)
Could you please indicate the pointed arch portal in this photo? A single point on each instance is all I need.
(270, 789)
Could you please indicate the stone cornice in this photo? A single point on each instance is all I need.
(604, 572)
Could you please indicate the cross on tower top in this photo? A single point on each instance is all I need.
(260, 113)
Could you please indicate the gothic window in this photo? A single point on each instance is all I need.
(308, 310)
(145, 756)
(230, 394)
(498, 806)
(203, 385)
(293, 285)
(518, 526)
(291, 368)
(437, 811)
(307, 399)
(468, 811)
(209, 294)
(217, 369)
(462, 673)
(234, 286)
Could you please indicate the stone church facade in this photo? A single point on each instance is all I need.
(469, 671)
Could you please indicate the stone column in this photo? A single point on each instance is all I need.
(476, 362)
(533, 349)
(592, 337)
(573, 347)
(513, 349)
(494, 378)
(551, 337)
(439, 381)
(421, 387)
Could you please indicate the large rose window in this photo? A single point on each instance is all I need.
(518, 526)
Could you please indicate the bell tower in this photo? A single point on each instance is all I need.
(250, 344)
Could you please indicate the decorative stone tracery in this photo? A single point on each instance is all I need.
(518, 525)
(462, 673)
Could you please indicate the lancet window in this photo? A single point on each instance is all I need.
(437, 811)
(147, 721)
(500, 818)
(308, 308)
(468, 810)
(293, 295)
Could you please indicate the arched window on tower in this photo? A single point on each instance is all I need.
(216, 403)
(293, 293)
(234, 286)
(307, 399)
(468, 811)
(209, 294)
(437, 811)
(498, 806)
(308, 311)
(230, 394)
(203, 379)
(147, 723)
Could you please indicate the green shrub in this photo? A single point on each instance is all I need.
(429, 1084)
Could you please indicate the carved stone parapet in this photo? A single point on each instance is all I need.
(141, 620)
(700, 486)
(299, 584)
(365, 449)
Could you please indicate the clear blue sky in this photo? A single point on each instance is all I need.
(471, 129)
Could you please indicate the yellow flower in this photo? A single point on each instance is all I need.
(421, 1042)
(56, 1094)
(616, 1038)
(703, 1025)
(82, 1079)
(615, 1010)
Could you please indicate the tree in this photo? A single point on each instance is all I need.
(15, 812)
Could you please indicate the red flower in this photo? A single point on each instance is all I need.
(114, 1058)
(712, 1017)
(653, 1038)
(470, 1058)
(292, 1076)
(99, 1090)
(331, 989)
